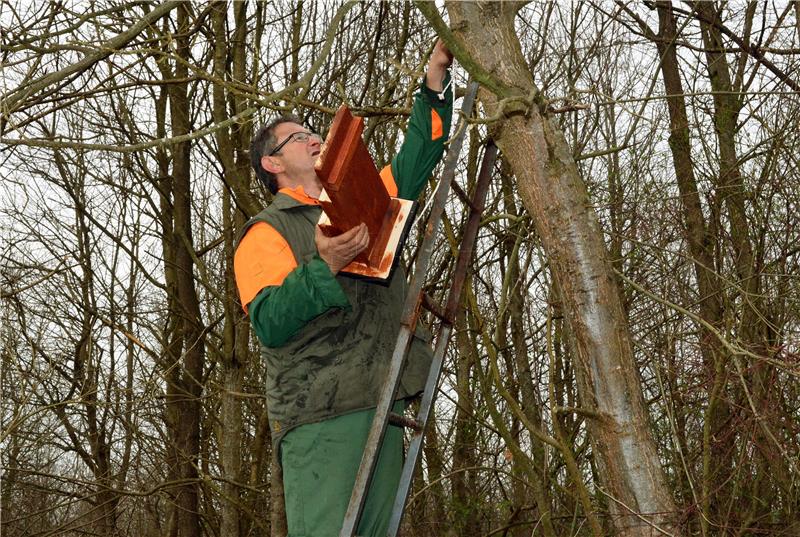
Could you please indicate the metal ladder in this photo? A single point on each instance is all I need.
(415, 299)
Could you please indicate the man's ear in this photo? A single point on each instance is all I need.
(271, 165)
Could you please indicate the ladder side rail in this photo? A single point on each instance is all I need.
(415, 445)
(407, 325)
(435, 219)
(465, 253)
(471, 231)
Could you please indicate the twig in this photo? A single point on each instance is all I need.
(637, 515)
(731, 347)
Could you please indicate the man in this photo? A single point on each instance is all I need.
(327, 338)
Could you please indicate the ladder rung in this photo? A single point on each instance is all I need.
(464, 197)
(401, 421)
(430, 304)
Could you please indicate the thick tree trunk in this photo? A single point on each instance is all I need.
(556, 198)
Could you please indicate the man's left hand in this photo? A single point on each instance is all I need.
(440, 60)
(441, 56)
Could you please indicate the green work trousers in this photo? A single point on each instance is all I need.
(320, 462)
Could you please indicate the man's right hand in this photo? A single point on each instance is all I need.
(338, 251)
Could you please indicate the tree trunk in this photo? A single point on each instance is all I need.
(716, 445)
(754, 318)
(187, 350)
(236, 174)
(465, 519)
(102, 515)
(522, 366)
(434, 495)
(556, 198)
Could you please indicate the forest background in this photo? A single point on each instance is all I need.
(625, 360)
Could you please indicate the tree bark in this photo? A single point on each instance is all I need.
(466, 522)
(754, 328)
(556, 198)
(230, 50)
(186, 355)
(716, 446)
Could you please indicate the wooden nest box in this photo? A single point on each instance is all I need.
(353, 192)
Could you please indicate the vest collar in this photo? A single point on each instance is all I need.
(297, 194)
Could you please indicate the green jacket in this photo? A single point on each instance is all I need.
(327, 340)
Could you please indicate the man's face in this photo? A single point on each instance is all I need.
(296, 157)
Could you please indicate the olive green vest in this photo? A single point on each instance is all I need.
(336, 363)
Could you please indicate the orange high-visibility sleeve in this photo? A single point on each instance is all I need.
(262, 259)
(436, 125)
(388, 180)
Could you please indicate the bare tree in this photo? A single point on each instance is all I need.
(627, 344)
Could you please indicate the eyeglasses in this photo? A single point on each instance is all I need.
(300, 136)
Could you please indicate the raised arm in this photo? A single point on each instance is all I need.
(428, 129)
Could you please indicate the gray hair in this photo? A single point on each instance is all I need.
(263, 143)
